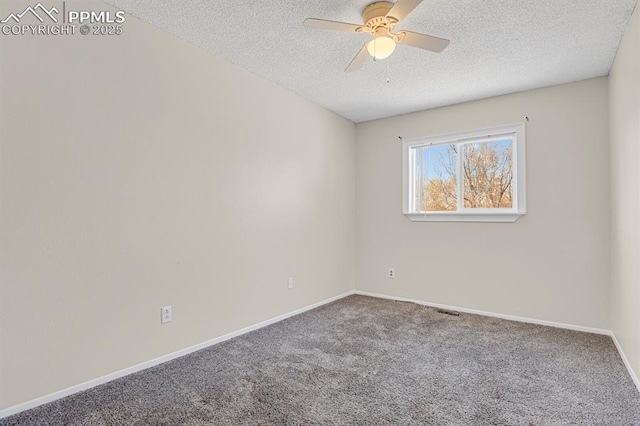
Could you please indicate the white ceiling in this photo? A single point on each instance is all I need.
(497, 47)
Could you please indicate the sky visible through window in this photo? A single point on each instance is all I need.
(487, 179)
(436, 157)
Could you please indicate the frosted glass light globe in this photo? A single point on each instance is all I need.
(381, 47)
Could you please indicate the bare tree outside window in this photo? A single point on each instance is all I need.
(488, 173)
(487, 176)
(471, 176)
(441, 188)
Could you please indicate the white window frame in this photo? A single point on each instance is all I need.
(514, 131)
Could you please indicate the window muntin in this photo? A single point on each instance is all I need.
(470, 176)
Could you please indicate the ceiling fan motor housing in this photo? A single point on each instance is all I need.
(380, 19)
(374, 15)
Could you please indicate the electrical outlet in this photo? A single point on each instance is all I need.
(165, 312)
(391, 274)
(290, 283)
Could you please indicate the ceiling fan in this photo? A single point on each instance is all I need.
(380, 19)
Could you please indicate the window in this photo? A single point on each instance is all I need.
(475, 176)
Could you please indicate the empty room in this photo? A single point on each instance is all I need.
(254, 212)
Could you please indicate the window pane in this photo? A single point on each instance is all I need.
(439, 185)
(488, 173)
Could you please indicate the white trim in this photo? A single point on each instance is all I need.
(627, 364)
(466, 136)
(156, 361)
(602, 331)
(490, 314)
(463, 217)
(517, 134)
(10, 411)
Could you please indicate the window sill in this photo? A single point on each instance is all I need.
(464, 217)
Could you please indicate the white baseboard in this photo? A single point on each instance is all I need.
(490, 314)
(627, 364)
(143, 366)
(610, 333)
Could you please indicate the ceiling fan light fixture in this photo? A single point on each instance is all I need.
(381, 47)
(380, 19)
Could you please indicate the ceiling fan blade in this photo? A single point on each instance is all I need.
(423, 41)
(359, 60)
(323, 24)
(402, 8)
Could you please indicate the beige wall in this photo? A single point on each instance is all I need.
(138, 171)
(552, 264)
(624, 103)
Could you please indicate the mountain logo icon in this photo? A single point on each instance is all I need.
(33, 11)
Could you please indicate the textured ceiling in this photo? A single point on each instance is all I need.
(497, 47)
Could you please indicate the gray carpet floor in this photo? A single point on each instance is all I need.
(366, 361)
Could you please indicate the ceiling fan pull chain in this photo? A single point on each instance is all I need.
(379, 21)
(388, 70)
(375, 57)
